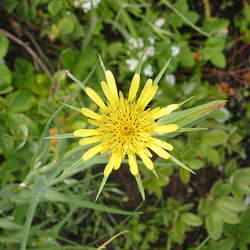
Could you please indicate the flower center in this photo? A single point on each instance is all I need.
(126, 127)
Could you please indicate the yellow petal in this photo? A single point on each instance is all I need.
(89, 140)
(107, 92)
(147, 94)
(90, 113)
(147, 152)
(134, 87)
(94, 122)
(133, 164)
(92, 152)
(146, 160)
(109, 167)
(147, 86)
(111, 84)
(95, 97)
(117, 162)
(166, 111)
(169, 128)
(162, 144)
(159, 151)
(85, 132)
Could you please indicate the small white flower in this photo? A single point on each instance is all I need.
(170, 79)
(159, 22)
(175, 50)
(150, 51)
(95, 3)
(148, 70)
(226, 115)
(151, 40)
(132, 64)
(86, 6)
(247, 200)
(188, 89)
(22, 184)
(135, 43)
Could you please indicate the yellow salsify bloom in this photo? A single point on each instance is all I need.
(125, 126)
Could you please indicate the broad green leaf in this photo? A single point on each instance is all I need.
(226, 244)
(214, 225)
(215, 137)
(179, 228)
(19, 101)
(66, 25)
(191, 219)
(5, 79)
(218, 59)
(55, 6)
(219, 188)
(227, 216)
(231, 203)
(4, 45)
(8, 224)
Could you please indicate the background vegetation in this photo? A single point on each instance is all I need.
(209, 43)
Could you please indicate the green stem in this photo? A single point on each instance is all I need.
(186, 20)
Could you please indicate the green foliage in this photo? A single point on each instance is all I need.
(47, 195)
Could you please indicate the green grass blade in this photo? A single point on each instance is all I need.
(38, 191)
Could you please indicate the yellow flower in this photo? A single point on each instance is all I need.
(125, 126)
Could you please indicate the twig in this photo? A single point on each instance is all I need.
(207, 8)
(237, 52)
(30, 51)
(39, 50)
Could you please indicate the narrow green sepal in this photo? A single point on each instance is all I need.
(139, 183)
(62, 136)
(159, 76)
(81, 85)
(101, 63)
(191, 129)
(70, 106)
(187, 100)
(104, 179)
(179, 163)
(141, 60)
(155, 173)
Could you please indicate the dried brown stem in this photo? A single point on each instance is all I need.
(29, 50)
